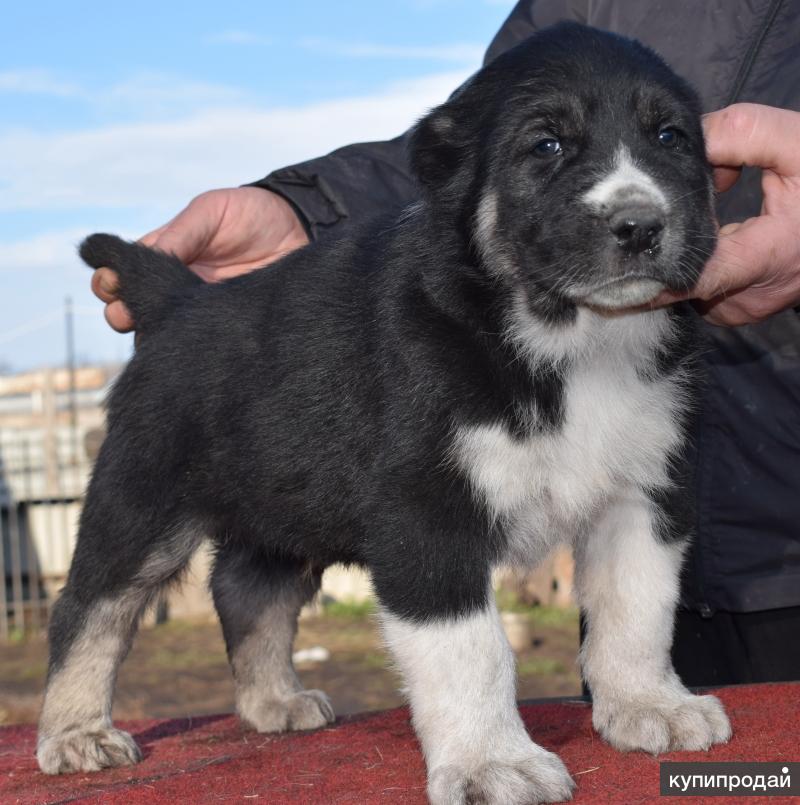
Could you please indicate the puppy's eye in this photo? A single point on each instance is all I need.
(669, 137)
(547, 148)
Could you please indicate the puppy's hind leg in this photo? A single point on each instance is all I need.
(258, 599)
(91, 629)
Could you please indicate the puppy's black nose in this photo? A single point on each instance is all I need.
(636, 229)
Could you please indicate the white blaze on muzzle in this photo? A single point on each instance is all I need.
(624, 184)
(635, 207)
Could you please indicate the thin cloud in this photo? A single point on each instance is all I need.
(464, 53)
(45, 251)
(130, 178)
(239, 37)
(142, 95)
(427, 4)
(161, 164)
(43, 270)
(159, 93)
(35, 81)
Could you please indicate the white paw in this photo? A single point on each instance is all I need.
(306, 710)
(538, 777)
(687, 722)
(89, 750)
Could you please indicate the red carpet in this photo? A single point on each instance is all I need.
(375, 758)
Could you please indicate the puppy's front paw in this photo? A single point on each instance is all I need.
(690, 723)
(539, 777)
(306, 710)
(89, 750)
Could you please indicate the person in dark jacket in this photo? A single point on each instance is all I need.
(740, 615)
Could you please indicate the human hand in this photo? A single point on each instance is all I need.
(221, 234)
(755, 269)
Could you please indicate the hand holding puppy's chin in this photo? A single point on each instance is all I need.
(666, 297)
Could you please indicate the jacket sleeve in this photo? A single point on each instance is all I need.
(358, 180)
(346, 185)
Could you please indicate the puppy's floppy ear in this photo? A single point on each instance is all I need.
(436, 147)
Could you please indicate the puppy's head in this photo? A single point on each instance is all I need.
(574, 167)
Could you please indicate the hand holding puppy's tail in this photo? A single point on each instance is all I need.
(151, 283)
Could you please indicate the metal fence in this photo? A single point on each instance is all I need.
(39, 509)
(24, 593)
(51, 427)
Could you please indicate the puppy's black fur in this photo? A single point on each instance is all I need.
(304, 414)
(307, 408)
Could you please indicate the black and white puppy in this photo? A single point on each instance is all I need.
(429, 398)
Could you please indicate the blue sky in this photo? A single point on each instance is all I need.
(113, 115)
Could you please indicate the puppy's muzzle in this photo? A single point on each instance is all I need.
(637, 229)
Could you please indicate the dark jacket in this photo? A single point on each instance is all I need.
(746, 555)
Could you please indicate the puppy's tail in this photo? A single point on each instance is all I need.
(151, 283)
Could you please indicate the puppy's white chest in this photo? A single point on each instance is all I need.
(617, 431)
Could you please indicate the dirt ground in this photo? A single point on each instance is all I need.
(180, 668)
